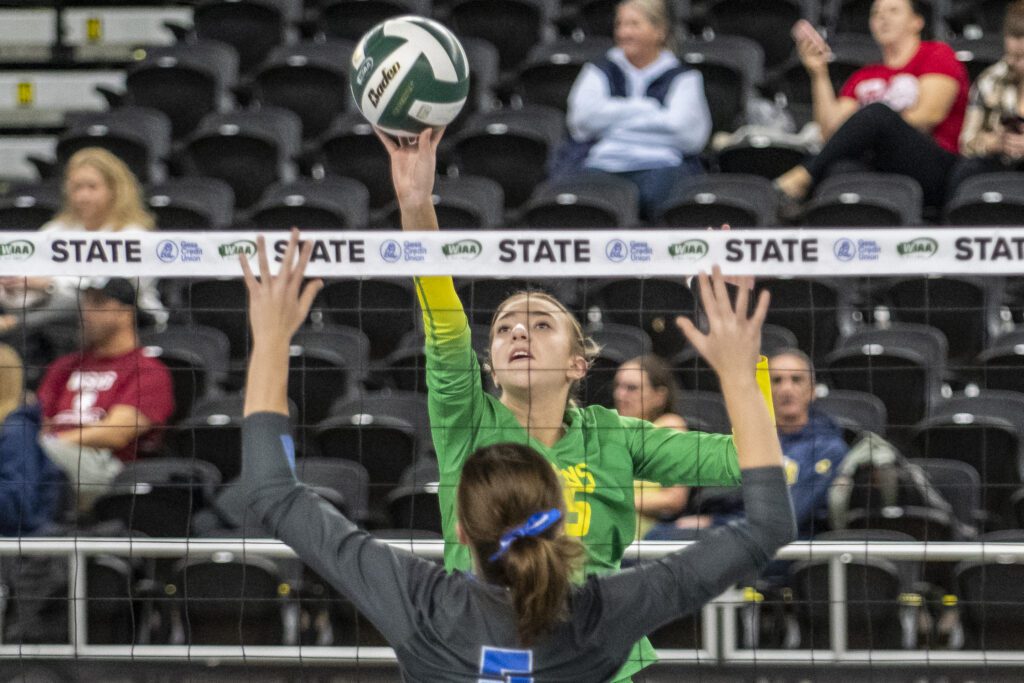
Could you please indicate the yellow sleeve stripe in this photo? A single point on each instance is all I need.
(764, 383)
(443, 317)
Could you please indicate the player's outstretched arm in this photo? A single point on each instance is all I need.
(413, 167)
(277, 306)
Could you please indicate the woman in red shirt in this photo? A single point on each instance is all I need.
(900, 116)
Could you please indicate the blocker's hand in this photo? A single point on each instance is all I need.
(733, 341)
(413, 164)
(277, 307)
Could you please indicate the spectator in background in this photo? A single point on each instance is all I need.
(901, 116)
(100, 194)
(812, 444)
(638, 113)
(646, 389)
(993, 135)
(30, 485)
(101, 406)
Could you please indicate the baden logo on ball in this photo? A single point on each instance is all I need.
(408, 74)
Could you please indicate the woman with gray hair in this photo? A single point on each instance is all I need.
(638, 112)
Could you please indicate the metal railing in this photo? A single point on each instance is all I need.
(718, 645)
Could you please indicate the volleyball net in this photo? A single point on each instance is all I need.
(914, 334)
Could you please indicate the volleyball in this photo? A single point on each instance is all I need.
(408, 74)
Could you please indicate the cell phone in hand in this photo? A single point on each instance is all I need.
(803, 30)
(1012, 122)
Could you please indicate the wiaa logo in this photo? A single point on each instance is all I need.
(617, 251)
(232, 249)
(18, 250)
(922, 247)
(690, 250)
(364, 70)
(463, 250)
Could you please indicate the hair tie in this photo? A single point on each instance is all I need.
(535, 524)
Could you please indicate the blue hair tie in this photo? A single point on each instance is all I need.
(536, 524)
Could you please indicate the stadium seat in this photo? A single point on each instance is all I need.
(731, 66)
(589, 200)
(191, 204)
(252, 27)
(197, 358)
(854, 411)
(414, 503)
(186, 81)
(903, 365)
(704, 411)
(158, 496)
(959, 484)
(332, 203)
(308, 78)
(851, 16)
(864, 200)
(345, 477)
(509, 146)
(979, 53)
(484, 79)
(349, 148)
(692, 372)
(650, 304)
(628, 341)
(988, 15)
(759, 155)
(877, 616)
(230, 600)
(384, 310)
(326, 365)
(512, 26)
(991, 597)
(114, 614)
(618, 344)
(481, 296)
(547, 75)
(30, 206)
(463, 203)
(408, 406)
(139, 136)
(850, 51)
(965, 308)
(810, 309)
(985, 431)
(741, 200)
(249, 150)
(222, 304)
(767, 23)
(350, 19)
(988, 199)
(924, 524)
(1001, 365)
(213, 432)
(594, 18)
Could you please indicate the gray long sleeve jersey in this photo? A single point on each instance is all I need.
(455, 628)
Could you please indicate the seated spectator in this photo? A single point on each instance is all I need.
(100, 406)
(993, 135)
(100, 194)
(812, 444)
(30, 485)
(901, 116)
(646, 389)
(638, 113)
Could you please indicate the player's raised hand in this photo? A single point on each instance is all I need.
(279, 303)
(413, 164)
(733, 340)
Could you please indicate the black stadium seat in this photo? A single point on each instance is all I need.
(854, 411)
(310, 79)
(333, 203)
(249, 150)
(768, 23)
(731, 66)
(350, 19)
(1001, 365)
(741, 200)
(991, 598)
(197, 358)
(585, 201)
(547, 75)
(185, 81)
(30, 206)
(864, 200)
(988, 199)
(384, 310)
(139, 136)
(351, 149)
(850, 51)
(252, 27)
(191, 204)
(513, 26)
(979, 53)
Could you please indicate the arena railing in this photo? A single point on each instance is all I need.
(718, 644)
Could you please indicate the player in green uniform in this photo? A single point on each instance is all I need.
(538, 353)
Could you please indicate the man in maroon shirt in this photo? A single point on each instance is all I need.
(100, 405)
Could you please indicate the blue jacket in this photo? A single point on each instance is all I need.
(30, 484)
(812, 456)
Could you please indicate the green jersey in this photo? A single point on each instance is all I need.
(599, 457)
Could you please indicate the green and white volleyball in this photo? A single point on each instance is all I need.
(409, 73)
